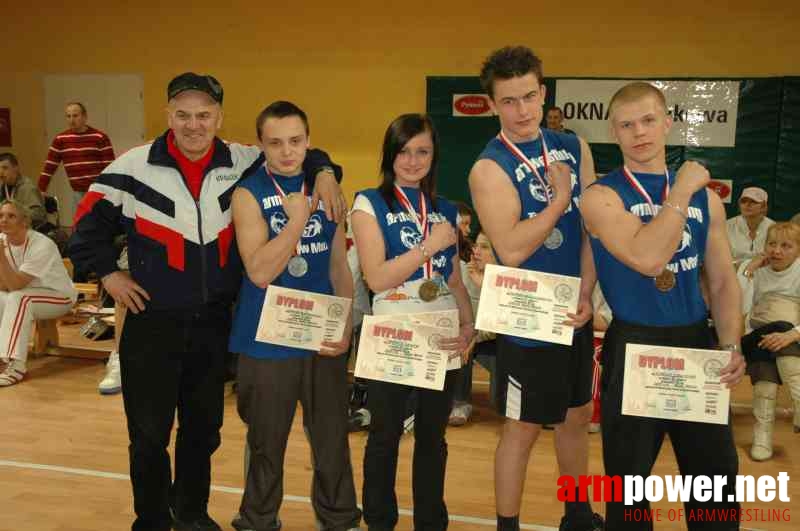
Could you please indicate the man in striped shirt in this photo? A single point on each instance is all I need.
(84, 150)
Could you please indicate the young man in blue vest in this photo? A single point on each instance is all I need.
(651, 231)
(526, 186)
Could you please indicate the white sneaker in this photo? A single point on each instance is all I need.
(460, 414)
(111, 384)
(408, 424)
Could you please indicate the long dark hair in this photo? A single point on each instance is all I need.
(464, 246)
(400, 131)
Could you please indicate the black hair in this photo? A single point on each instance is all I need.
(10, 157)
(508, 63)
(463, 209)
(280, 109)
(464, 247)
(398, 134)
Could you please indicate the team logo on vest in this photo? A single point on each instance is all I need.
(313, 227)
(410, 237)
(537, 191)
(686, 240)
(439, 262)
(277, 222)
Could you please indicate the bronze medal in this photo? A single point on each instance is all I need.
(665, 281)
(428, 291)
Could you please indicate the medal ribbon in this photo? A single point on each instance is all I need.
(282, 195)
(634, 182)
(527, 162)
(420, 220)
(11, 252)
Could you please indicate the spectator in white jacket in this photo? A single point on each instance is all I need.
(34, 284)
(747, 232)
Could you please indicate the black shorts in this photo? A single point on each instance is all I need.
(539, 384)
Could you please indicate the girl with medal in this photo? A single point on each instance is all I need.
(406, 243)
(283, 242)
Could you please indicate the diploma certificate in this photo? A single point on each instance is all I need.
(440, 319)
(401, 349)
(675, 383)
(529, 304)
(301, 319)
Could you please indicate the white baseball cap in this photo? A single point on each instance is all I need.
(755, 193)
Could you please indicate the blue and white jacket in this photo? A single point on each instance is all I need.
(182, 251)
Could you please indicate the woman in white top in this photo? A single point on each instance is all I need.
(33, 285)
(748, 231)
(771, 296)
(407, 248)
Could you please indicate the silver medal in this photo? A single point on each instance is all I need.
(298, 266)
(554, 239)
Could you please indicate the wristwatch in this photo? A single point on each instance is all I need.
(732, 347)
(328, 169)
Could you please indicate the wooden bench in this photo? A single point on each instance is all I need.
(46, 338)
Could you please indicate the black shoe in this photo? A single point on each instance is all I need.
(239, 524)
(204, 523)
(358, 396)
(359, 420)
(596, 524)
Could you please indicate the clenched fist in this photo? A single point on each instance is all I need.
(296, 206)
(560, 177)
(442, 236)
(692, 176)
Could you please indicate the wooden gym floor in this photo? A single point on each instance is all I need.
(64, 460)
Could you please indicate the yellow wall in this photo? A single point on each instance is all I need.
(353, 66)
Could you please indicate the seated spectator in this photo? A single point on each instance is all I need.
(555, 121)
(771, 296)
(748, 231)
(465, 215)
(17, 186)
(360, 416)
(34, 284)
(472, 275)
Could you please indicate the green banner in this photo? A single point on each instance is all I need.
(765, 153)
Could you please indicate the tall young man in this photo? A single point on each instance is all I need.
(652, 229)
(525, 187)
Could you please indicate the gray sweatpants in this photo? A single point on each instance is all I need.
(268, 392)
